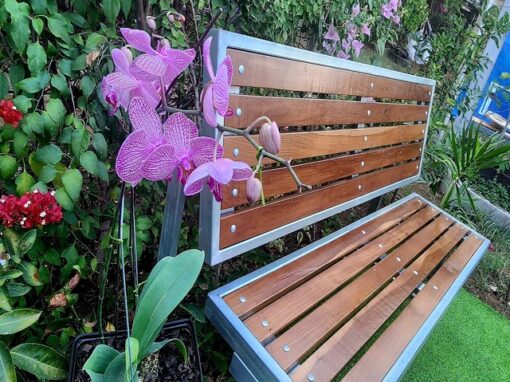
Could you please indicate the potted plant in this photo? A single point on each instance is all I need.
(163, 144)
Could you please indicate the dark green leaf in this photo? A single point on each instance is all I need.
(18, 289)
(38, 25)
(23, 183)
(40, 360)
(4, 85)
(20, 142)
(30, 273)
(8, 167)
(111, 9)
(59, 82)
(36, 58)
(99, 360)
(88, 161)
(72, 181)
(80, 140)
(27, 241)
(87, 86)
(64, 199)
(58, 27)
(99, 143)
(50, 154)
(17, 320)
(7, 370)
(5, 302)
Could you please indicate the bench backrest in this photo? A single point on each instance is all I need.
(349, 148)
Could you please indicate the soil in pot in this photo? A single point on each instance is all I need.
(167, 365)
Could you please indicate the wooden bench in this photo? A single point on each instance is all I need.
(359, 302)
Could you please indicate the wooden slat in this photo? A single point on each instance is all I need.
(378, 360)
(326, 142)
(260, 292)
(279, 181)
(316, 326)
(311, 112)
(249, 222)
(291, 306)
(277, 73)
(328, 360)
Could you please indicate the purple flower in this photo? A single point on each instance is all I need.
(352, 31)
(387, 11)
(365, 29)
(396, 19)
(332, 33)
(393, 4)
(330, 48)
(153, 150)
(357, 45)
(343, 55)
(216, 174)
(121, 86)
(165, 62)
(355, 10)
(215, 93)
(346, 45)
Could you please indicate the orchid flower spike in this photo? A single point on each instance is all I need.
(215, 93)
(216, 174)
(121, 86)
(164, 62)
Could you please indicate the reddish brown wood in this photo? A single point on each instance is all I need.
(313, 329)
(378, 360)
(332, 356)
(260, 292)
(279, 181)
(310, 112)
(254, 221)
(326, 142)
(264, 71)
(291, 306)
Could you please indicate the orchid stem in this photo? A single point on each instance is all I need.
(218, 139)
(263, 153)
(256, 122)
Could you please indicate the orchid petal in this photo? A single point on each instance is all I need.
(131, 156)
(179, 130)
(149, 92)
(160, 164)
(148, 67)
(207, 57)
(241, 171)
(202, 149)
(138, 39)
(145, 118)
(195, 181)
(227, 61)
(208, 106)
(222, 170)
(121, 82)
(120, 60)
(177, 61)
(221, 88)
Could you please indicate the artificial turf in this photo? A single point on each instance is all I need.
(470, 343)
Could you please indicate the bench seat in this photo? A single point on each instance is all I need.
(355, 305)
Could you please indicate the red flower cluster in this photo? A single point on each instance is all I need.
(9, 113)
(34, 209)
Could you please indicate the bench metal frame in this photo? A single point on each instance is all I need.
(252, 362)
(210, 210)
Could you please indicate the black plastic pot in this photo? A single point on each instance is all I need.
(183, 329)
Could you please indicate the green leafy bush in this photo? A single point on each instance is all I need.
(415, 14)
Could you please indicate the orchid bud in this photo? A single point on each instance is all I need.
(151, 23)
(127, 52)
(71, 284)
(170, 17)
(165, 43)
(253, 189)
(269, 138)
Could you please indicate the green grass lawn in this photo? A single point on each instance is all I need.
(470, 343)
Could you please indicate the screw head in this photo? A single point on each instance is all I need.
(265, 323)
(359, 187)
(398, 259)
(379, 245)
(286, 348)
(363, 232)
(366, 138)
(241, 69)
(235, 192)
(369, 112)
(416, 273)
(426, 113)
(242, 299)
(362, 163)
(239, 112)
(310, 377)
(233, 228)
(435, 287)
(236, 152)
(371, 85)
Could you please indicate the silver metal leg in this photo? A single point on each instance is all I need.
(239, 370)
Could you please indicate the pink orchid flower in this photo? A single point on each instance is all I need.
(184, 151)
(216, 174)
(215, 93)
(365, 29)
(165, 63)
(357, 46)
(355, 10)
(121, 86)
(393, 4)
(332, 33)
